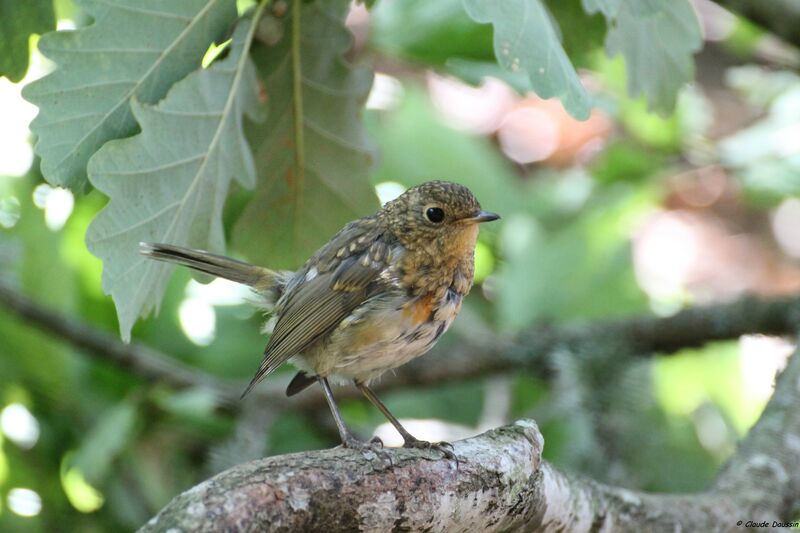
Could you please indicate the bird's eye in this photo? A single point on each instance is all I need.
(434, 214)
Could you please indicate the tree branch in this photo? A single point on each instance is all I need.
(531, 351)
(637, 336)
(766, 462)
(139, 359)
(501, 484)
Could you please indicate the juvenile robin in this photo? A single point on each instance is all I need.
(380, 293)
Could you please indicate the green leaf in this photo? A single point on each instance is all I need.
(624, 160)
(584, 34)
(609, 8)
(441, 31)
(657, 39)
(135, 48)
(526, 39)
(105, 441)
(473, 72)
(312, 154)
(18, 20)
(169, 183)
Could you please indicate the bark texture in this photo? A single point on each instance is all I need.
(501, 484)
(495, 486)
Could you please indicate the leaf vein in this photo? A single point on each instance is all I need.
(136, 9)
(146, 75)
(151, 170)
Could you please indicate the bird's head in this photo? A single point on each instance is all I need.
(437, 217)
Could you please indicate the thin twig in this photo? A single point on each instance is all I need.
(137, 358)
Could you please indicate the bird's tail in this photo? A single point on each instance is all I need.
(260, 278)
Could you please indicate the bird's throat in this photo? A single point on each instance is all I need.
(444, 263)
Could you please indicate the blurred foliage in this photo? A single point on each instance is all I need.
(18, 21)
(113, 448)
(765, 154)
(429, 33)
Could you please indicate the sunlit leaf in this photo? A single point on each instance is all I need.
(135, 48)
(526, 39)
(657, 39)
(169, 183)
(693, 376)
(312, 153)
(18, 20)
(764, 155)
(761, 85)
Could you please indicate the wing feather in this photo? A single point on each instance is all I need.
(317, 306)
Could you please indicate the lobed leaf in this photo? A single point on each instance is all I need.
(169, 183)
(657, 39)
(312, 153)
(135, 48)
(526, 39)
(18, 20)
(584, 35)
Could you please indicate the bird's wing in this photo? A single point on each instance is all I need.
(317, 306)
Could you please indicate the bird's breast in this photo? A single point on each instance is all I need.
(420, 309)
(389, 332)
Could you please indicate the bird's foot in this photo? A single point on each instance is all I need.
(445, 448)
(370, 448)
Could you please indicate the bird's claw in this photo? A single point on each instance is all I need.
(447, 449)
(373, 446)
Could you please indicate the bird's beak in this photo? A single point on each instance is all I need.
(482, 216)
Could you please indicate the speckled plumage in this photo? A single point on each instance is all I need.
(381, 292)
(384, 289)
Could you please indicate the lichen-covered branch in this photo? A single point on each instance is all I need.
(494, 486)
(500, 484)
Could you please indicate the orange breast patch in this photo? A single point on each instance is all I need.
(419, 310)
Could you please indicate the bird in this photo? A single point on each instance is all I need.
(378, 294)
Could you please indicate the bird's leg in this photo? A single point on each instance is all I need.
(409, 440)
(348, 440)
